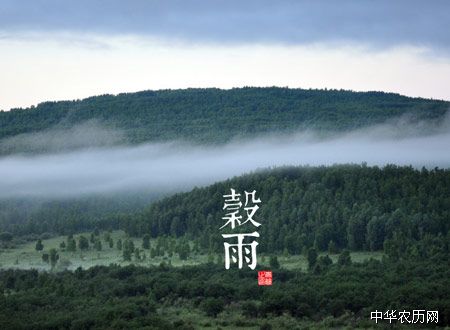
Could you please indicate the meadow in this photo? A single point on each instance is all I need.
(25, 256)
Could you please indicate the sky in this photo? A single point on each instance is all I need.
(56, 50)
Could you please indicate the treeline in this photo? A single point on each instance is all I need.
(339, 295)
(216, 116)
(329, 208)
(33, 217)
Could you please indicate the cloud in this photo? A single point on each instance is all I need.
(379, 23)
(167, 167)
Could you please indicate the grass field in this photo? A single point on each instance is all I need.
(25, 256)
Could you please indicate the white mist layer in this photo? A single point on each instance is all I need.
(176, 166)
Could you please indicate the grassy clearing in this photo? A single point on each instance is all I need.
(25, 256)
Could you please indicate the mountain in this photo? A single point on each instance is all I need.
(215, 116)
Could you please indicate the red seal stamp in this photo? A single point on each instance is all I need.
(265, 277)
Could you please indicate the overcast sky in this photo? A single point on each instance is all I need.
(53, 50)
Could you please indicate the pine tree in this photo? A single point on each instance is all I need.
(332, 248)
(71, 244)
(312, 258)
(39, 245)
(344, 258)
(128, 249)
(98, 245)
(127, 254)
(137, 254)
(146, 242)
(54, 257)
(83, 243)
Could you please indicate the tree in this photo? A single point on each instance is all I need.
(54, 257)
(356, 232)
(213, 306)
(176, 228)
(39, 245)
(83, 243)
(128, 249)
(375, 233)
(119, 244)
(107, 236)
(62, 245)
(332, 248)
(45, 257)
(146, 242)
(137, 254)
(126, 254)
(323, 236)
(71, 244)
(6, 237)
(184, 250)
(344, 258)
(98, 245)
(130, 244)
(325, 261)
(274, 264)
(250, 309)
(312, 257)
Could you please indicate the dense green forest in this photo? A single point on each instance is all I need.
(331, 296)
(343, 206)
(216, 116)
(354, 207)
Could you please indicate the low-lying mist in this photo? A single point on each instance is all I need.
(85, 135)
(179, 166)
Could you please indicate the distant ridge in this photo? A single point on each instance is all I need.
(214, 115)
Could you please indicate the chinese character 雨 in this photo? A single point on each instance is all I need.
(239, 251)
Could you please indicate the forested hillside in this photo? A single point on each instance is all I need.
(216, 116)
(329, 208)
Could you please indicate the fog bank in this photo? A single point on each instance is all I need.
(176, 166)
